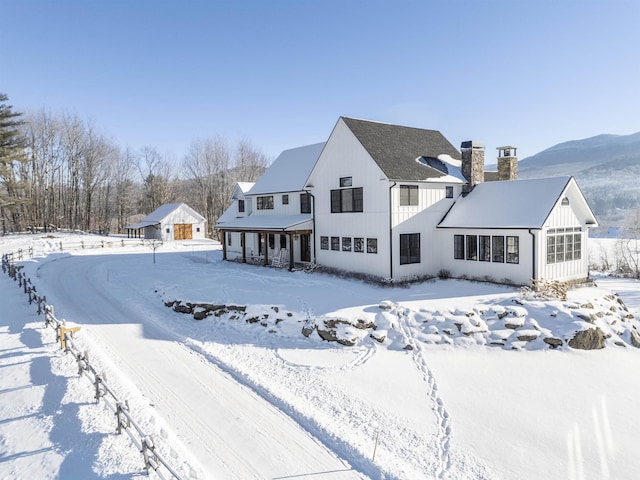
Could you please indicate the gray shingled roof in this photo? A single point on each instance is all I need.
(395, 148)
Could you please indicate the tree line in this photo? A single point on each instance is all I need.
(58, 171)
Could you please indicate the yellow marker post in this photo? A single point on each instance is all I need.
(63, 331)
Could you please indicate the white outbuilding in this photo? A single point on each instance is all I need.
(172, 221)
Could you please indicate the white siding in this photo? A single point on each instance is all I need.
(344, 156)
(293, 208)
(518, 273)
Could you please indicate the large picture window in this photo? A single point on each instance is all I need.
(484, 248)
(472, 247)
(513, 249)
(458, 247)
(564, 244)
(408, 195)
(497, 249)
(264, 203)
(305, 203)
(346, 200)
(409, 248)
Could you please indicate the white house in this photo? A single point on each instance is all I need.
(398, 203)
(272, 221)
(172, 221)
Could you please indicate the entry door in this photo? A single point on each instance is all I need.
(305, 248)
(182, 231)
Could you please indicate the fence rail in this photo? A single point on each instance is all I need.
(153, 459)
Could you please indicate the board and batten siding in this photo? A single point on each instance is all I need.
(502, 272)
(423, 219)
(344, 156)
(292, 208)
(563, 216)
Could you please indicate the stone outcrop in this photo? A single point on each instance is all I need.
(590, 339)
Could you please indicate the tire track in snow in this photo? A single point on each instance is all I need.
(443, 440)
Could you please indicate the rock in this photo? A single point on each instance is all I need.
(328, 335)
(527, 338)
(379, 336)
(364, 325)
(635, 338)
(169, 303)
(590, 339)
(200, 315)
(408, 347)
(553, 342)
(385, 305)
(178, 307)
(306, 331)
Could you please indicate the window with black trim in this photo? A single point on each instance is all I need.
(335, 243)
(409, 248)
(449, 191)
(564, 244)
(484, 248)
(372, 245)
(472, 247)
(305, 203)
(513, 249)
(240, 206)
(272, 241)
(497, 249)
(458, 247)
(283, 241)
(229, 239)
(408, 195)
(324, 243)
(168, 230)
(346, 182)
(346, 200)
(264, 203)
(346, 244)
(285, 199)
(358, 244)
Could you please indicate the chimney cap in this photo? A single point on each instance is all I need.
(472, 144)
(506, 147)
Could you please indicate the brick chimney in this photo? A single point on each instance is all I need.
(473, 162)
(507, 163)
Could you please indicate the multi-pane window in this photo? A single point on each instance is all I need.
(458, 247)
(346, 181)
(484, 248)
(513, 249)
(409, 248)
(305, 203)
(497, 249)
(346, 244)
(346, 200)
(564, 244)
(408, 195)
(264, 203)
(240, 206)
(358, 244)
(372, 245)
(324, 243)
(335, 243)
(449, 191)
(472, 247)
(285, 199)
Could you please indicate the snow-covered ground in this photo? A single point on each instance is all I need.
(456, 381)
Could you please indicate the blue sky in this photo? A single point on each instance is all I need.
(279, 73)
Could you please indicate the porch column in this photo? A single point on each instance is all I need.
(244, 247)
(291, 256)
(266, 249)
(224, 244)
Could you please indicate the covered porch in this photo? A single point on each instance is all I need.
(279, 241)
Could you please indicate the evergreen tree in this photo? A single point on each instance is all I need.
(12, 145)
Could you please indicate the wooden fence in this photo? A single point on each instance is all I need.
(153, 460)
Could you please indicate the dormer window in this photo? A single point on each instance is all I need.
(240, 206)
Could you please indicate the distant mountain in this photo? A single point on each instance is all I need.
(607, 168)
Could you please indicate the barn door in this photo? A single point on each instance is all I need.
(182, 231)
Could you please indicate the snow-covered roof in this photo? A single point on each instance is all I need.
(162, 212)
(245, 186)
(510, 204)
(289, 172)
(269, 222)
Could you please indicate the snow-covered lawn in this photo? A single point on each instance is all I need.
(455, 380)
